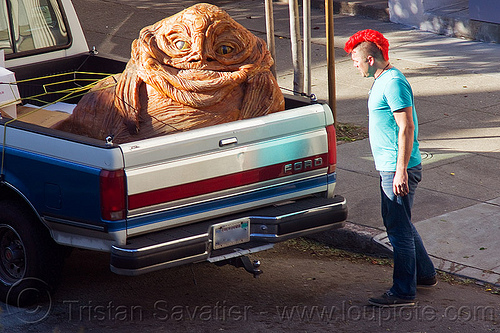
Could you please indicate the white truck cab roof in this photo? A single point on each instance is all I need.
(36, 31)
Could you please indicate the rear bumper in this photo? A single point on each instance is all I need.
(193, 243)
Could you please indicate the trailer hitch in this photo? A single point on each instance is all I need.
(251, 267)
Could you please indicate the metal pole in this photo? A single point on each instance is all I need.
(307, 45)
(330, 56)
(298, 76)
(270, 33)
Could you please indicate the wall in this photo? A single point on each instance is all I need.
(485, 10)
(411, 12)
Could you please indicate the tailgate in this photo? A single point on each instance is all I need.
(205, 173)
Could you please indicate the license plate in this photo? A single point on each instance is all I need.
(231, 233)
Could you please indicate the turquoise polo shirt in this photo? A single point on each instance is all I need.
(390, 92)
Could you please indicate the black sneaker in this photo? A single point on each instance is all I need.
(388, 299)
(427, 282)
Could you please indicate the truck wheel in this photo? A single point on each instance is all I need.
(30, 261)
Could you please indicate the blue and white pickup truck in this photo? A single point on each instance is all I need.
(212, 194)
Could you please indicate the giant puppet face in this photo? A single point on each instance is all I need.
(193, 69)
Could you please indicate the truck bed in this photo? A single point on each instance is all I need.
(208, 194)
(256, 181)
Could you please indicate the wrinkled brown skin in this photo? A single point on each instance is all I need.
(194, 69)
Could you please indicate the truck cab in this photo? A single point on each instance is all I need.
(32, 32)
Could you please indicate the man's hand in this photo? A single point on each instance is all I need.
(400, 183)
(404, 119)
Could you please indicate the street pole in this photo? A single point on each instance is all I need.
(298, 70)
(270, 33)
(307, 45)
(330, 58)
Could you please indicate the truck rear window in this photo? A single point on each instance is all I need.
(31, 25)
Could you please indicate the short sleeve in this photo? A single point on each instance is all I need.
(398, 94)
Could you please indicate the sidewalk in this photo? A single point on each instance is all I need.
(457, 93)
(451, 19)
(457, 209)
(456, 84)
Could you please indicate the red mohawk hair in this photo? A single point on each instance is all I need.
(368, 35)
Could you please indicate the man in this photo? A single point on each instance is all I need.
(393, 133)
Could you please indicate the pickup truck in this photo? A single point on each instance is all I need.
(212, 194)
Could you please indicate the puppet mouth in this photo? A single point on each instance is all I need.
(199, 80)
(194, 87)
(200, 74)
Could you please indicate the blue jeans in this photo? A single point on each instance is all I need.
(411, 261)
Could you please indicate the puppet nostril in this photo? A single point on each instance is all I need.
(194, 59)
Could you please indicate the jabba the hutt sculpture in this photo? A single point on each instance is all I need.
(194, 69)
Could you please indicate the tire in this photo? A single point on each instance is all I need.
(30, 261)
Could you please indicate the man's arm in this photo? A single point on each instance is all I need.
(404, 120)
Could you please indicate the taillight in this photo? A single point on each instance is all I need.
(332, 148)
(113, 202)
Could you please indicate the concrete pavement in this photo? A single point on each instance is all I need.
(457, 91)
(456, 88)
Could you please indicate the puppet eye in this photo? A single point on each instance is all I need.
(181, 45)
(225, 49)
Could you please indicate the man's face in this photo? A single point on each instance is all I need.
(362, 63)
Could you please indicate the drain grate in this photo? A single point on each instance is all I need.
(426, 156)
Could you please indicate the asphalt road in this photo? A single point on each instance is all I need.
(304, 288)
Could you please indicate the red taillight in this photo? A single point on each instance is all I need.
(113, 204)
(332, 148)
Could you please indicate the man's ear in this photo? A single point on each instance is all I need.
(371, 60)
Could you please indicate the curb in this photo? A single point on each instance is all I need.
(356, 9)
(355, 238)
(353, 9)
